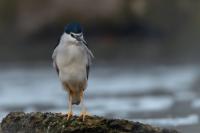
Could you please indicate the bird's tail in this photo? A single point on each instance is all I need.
(76, 98)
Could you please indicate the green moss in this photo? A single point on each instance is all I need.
(18, 122)
(0, 129)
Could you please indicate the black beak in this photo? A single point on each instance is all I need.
(81, 39)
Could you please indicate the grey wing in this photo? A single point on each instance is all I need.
(54, 60)
(90, 57)
(87, 70)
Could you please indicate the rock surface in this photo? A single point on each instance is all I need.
(19, 122)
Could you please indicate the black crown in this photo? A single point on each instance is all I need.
(74, 28)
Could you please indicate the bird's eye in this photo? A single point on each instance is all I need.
(72, 35)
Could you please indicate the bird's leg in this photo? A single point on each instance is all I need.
(69, 113)
(83, 108)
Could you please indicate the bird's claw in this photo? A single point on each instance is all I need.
(69, 115)
(83, 115)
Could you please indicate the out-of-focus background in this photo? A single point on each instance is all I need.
(146, 65)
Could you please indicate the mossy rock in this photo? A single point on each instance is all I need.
(19, 122)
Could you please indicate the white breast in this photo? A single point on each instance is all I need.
(71, 61)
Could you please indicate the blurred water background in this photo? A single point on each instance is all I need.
(146, 65)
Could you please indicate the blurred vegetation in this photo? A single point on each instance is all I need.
(145, 31)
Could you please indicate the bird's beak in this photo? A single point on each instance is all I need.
(81, 39)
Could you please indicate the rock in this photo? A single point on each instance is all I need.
(19, 122)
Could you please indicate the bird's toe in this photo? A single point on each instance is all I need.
(83, 115)
(69, 115)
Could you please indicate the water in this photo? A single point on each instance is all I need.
(162, 96)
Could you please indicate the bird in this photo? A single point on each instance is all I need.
(72, 60)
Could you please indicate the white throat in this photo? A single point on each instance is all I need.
(68, 39)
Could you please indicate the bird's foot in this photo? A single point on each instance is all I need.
(83, 115)
(69, 115)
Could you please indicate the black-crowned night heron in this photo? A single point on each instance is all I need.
(72, 60)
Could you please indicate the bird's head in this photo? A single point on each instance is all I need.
(74, 32)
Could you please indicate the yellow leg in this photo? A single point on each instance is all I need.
(84, 112)
(70, 113)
